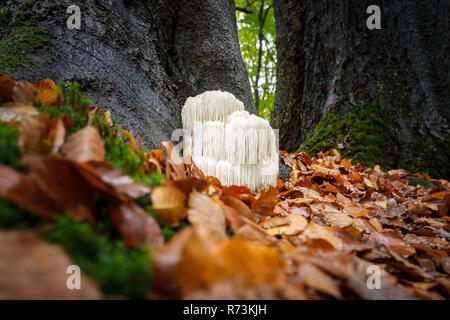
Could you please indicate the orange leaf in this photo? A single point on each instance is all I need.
(169, 204)
(266, 202)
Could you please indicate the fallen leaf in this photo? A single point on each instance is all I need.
(24, 191)
(356, 211)
(24, 93)
(135, 225)
(174, 161)
(84, 145)
(206, 212)
(266, 201)
(32, 134)
(6, 87)
(25, 257)
(169, 204)
(319, 280)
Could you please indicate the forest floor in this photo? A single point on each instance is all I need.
(145, 225)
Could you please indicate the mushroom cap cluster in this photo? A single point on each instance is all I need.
(227, 142)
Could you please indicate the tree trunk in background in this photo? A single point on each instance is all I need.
(142, 59)
(329, 59)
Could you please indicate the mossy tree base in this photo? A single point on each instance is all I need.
(367, 135)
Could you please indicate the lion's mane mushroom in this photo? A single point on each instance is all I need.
(227, 142)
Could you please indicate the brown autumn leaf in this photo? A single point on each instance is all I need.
(135, 226)
(59, 136)
(105, 178)
(32, 134)
(238, 205)
(84, 145)
(24, 93)
(316, 231)
(25, 192)
(6, 87)
(173, 160)
(253, 263)
(34, 269)
(356, 211)
(188, 184)
(169, 204)
(204, 211)
(233, 218)
(266, 202)
(317, 279)
(59, 178)
(297, 224)
(394, 241)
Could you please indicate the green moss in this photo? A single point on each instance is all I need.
(9, 147)
(427, 156)
(19, 36)
(116, 268)
(371, 138)
(365, 129)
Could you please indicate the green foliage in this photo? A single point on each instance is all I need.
(9, 147)
(116, 268)
(19, 36)
(365, 128)
(249, 27)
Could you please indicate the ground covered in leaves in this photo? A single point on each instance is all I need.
(76, 188)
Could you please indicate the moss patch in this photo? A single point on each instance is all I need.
(364, 130)
(368, 135)
(20, 35)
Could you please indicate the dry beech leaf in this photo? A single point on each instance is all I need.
(296, 225)
(60, 136)
(84, 145)
(206, 212)
(315, 231)
(317, 279)
(337, 219)
(32, 133)
(6, 87)
(266, 202)
(169, 204)
(111, 181)
(25, 192)
(253, 263)
(356, 211)
(394, 242)
(174, 161)
(24, 92)
(58, 178)
(188, 184)
(25, 257)
(135, 226)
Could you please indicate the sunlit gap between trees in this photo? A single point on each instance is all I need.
(256, 29)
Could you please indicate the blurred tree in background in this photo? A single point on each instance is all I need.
(256, 28)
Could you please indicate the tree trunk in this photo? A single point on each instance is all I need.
(328, 59)
(142, 59)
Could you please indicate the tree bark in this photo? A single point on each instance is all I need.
(329, 59)
(142, 59)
